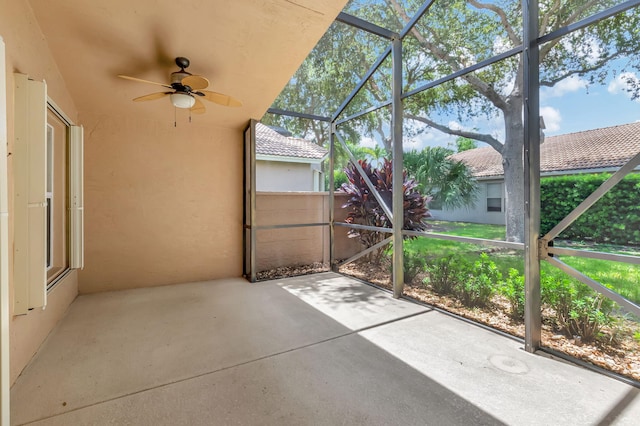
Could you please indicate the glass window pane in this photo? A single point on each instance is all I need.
(494, 190)
(494, 204)
(57, 204)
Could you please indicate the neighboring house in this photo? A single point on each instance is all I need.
(591, 151)
(287, 164)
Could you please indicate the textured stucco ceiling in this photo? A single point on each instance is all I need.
(246, 48)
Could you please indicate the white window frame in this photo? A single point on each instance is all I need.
(75, 191)
(318, 180)
(5, 382)
(49, 194)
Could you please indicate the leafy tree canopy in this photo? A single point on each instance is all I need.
(465, 144)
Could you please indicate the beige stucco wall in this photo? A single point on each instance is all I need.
(163, 204)
(345, 246)
(303, 245)
(27, 52)
(27, 332)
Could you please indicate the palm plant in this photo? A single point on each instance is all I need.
(447, 181)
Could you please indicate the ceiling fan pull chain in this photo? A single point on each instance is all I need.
(175, 117)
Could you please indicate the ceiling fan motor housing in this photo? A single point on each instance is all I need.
(176, 77)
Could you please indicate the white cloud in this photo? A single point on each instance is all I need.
(429, 137)
(622, 82)
(568, 85)
(589, 49)
(552, 118)
(413, 144)
(454, 125)
(501, 45)
(368, 142)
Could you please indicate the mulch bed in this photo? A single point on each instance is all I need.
(617, 351)
(292, 271)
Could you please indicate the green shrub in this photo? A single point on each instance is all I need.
(446, 273)
(414, 263)
(579, 311)
(339, 177)
(513, 290)
(614, 219)
(480, 282)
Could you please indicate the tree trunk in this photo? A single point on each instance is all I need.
(512, 162)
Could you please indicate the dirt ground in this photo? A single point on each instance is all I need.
(617, 350)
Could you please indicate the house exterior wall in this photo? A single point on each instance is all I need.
(163, 204)
(299, 246)
(478, 212)
(27, 52)
(279, 176)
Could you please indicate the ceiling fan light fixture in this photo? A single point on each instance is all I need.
(182, 100)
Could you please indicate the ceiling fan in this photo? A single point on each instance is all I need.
(186, 90)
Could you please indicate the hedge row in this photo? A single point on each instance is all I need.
(614, 219)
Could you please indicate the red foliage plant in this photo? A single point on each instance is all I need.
(364, 208)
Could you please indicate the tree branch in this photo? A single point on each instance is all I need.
(578, 11)
(482, 87)
(513, 36)
(559, 24)
(493, 142)
(385, 140)
(601, 63)
(545, 19)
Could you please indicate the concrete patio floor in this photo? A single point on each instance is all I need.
(319, 349)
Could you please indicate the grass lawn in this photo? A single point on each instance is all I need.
(621, 277)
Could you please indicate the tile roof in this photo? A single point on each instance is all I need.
(270, 142)
(590, 149)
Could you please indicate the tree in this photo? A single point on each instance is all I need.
(453, 35)
(465, 144)
(447, 181)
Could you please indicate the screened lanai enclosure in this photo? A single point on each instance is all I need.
(395, 89)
